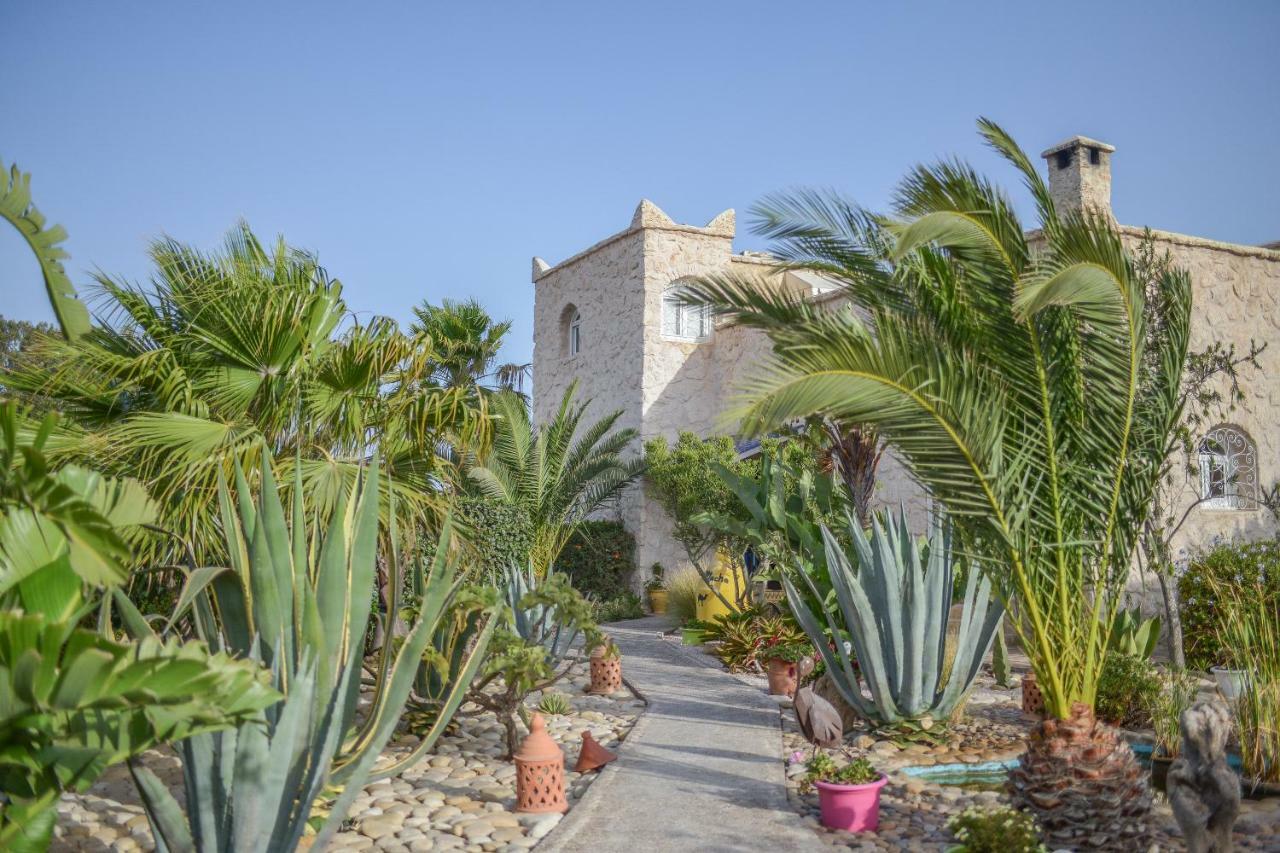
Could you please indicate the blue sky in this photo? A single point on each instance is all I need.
(428, 151)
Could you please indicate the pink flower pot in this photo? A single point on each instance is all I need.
(853, 808)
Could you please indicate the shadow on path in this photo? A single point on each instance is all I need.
(701, 770)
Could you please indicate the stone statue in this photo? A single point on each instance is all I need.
(1204, 792)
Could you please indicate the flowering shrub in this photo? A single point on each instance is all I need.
(747, 638)
(998, 830)
(1255, 563)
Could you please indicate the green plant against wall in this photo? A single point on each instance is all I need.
(783, 500)
(535, 647)
(600, 559)
(1249, 626)
(894, 608)
(558, 473)
(1252, 564)
(500, 533)
(685, 478)
(74, 702)
(300, 602)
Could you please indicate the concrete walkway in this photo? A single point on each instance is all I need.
(701, 770)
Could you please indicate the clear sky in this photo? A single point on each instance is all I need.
(428, 151)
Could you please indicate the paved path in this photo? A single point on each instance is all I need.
(701, 770)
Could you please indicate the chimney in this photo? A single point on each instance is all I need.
(1080, 176)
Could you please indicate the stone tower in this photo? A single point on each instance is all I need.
(599, 320)
(1080, 175)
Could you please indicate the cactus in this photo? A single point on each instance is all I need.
(301, 605)
(895, 612)
(1000, 666)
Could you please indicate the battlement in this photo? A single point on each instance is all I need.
(647, 217)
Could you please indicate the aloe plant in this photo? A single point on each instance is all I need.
(72, 701)
(1132, 635)
(894, 607)
(301, 604)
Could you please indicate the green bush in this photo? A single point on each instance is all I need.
(1127, 690)
(600, 559)
(625, 606)
(1249, 564)
(501, 534)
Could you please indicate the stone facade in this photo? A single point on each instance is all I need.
(664, 384)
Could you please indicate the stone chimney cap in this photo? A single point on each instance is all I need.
(1077, 142)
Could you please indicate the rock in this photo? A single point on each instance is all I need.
(377, 827)
(1204, 792)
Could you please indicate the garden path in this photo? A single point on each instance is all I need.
(700, 770)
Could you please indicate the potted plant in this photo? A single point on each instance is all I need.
(783, 666)
(1231, 682)
(694, 633)
(657, 590)
(1166, 714)
(849, 796)
(606, 669)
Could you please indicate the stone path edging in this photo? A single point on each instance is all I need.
(700, 770)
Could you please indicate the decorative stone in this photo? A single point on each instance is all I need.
(1203, 790)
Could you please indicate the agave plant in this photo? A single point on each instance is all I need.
(534, 648)
(302, 604)
(1031, 384)
(894, 603)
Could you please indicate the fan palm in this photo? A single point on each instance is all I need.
(558, 474)
(1015, 376)
(467, 342)
(230, 352)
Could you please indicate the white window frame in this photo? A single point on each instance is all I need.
(1228, 450)
(692, 323)
(575, 333)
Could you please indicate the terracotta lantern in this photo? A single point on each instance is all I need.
(540, 772)
(606, 670)
(1032, 698)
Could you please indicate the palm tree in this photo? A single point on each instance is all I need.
(1014, 375)
(467, 342)
(231, 352)
(558, 474)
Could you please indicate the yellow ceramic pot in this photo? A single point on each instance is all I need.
(658, 600)
(709, 605)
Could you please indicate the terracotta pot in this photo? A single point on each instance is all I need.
(853, 808)
(783, 677)
(606, 674)
(1032, 698)
(658, 601)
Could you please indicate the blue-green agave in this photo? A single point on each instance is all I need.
(894, 601)
(301, 604)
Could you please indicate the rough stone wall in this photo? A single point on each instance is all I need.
(605, 284)
(1236, 299)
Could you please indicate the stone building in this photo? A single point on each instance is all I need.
(611, 318)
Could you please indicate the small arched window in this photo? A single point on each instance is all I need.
(1228, 469)
(575, 333)
(681, 319)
